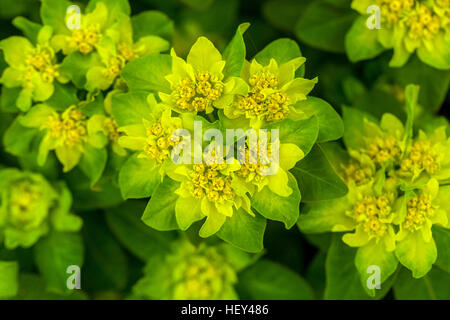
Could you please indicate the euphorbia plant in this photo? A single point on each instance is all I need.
(395, 198)
(235, 198)
(406, 26)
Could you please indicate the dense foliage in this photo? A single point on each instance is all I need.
(89, 105)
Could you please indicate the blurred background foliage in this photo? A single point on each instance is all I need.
(117, 243)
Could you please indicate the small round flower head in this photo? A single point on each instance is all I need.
(272, 92)
(372, 216)
(30, 206)
(409, 26)
(192, 273)
(198, 85)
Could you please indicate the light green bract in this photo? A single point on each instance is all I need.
(30, 207)
(394, 201)
(407, 26)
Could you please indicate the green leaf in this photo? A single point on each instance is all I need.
(147, 73)
(138, 177)
(331, 126)
(17, 138)
(377, 102)
(32, 287)
(130, 108)
(416, 254)
(411, 97)
(234, 53)
(433, 286)
(144, 242)
(64, 96)
(361, 43)
(317, 179)
(282, 50)
(105, 193)
(442, 238)
(93, 163)
(116, 8)
(244, 231)
(343, 281)
(436, 52)
(54, 254)
(160, 211)
(12, 8)
(8, 99)
(152, 23)
(354, 120)
(106, 265)
(267, 280)
(323, 25)
(315, 274)
(9, 271)
(283, 14)
(433, 83)
(53, 13)
(188, 211)
(374, 254)
(302, 133)
(76, 65)
(324, 216)
(29, 28)
(275, 207)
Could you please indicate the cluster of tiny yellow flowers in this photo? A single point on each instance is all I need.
(84, 40)
(113, 67)
(420, 157)
(275, 105)
(254, 162)
(355, 172)
(381, 150)
(126, 52)
(421, 20)
(72, 128)
(198, 95)
(393, 10)
(373, 214)
(198, 278)
(208, 181)
(442, 8)
(160, 142)
(22, 200)
(40, 60)
(201, 275)
(418, 209)
(111, 128)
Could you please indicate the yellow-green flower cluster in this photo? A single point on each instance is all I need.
(413, 25)
(191, 273)
(397, 194)
(31, 67)
(30, 207)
